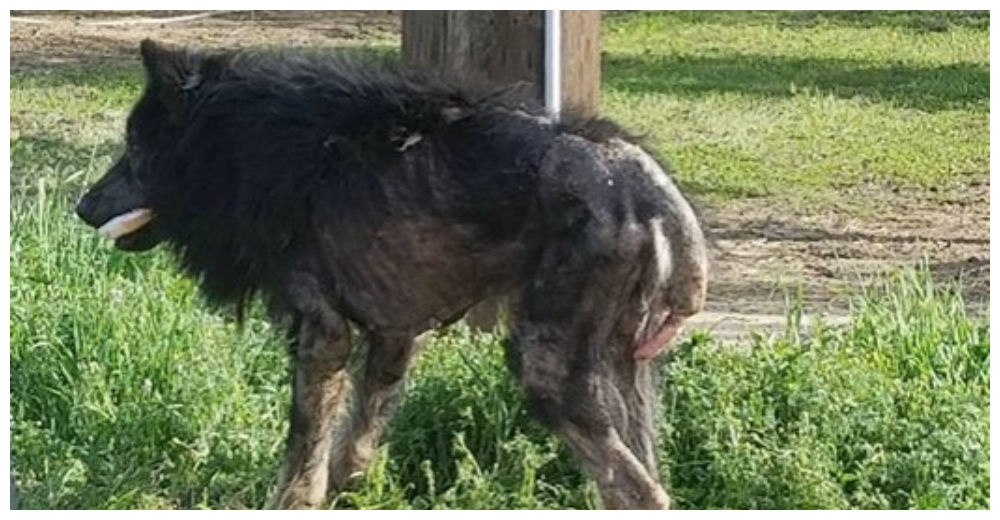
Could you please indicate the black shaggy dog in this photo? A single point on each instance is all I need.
(348, 195)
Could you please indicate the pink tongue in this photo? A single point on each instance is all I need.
(657, 343)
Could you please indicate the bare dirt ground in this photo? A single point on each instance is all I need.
(766, 251)
(51, 38)
(763, 251)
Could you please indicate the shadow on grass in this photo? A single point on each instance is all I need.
(100, 73)
(124, 66)
(916, 20)
(946, 87)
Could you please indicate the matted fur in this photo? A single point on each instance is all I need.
(373, 195)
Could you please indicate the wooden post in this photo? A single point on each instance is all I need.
(505, 47)
(581, 61)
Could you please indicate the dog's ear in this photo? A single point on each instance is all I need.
(174, 72)
(168, 66)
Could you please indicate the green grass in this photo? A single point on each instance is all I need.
(892, 412)
(126, 392)
(800, 104)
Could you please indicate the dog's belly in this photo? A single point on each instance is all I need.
(418, 274)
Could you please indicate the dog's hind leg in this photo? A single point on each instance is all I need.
(623, 479)
(356, 441)
(639, 396)
(631, 383)
(319, 389)
(572, 353)
(582, 403)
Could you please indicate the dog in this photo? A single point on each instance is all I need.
(348, 195)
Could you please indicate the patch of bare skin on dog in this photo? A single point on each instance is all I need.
(126, 223)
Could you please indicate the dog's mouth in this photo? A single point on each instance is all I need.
(130, 230)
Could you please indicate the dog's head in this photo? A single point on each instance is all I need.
(123, 204)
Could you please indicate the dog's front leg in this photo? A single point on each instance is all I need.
(389, 357)
(320, 387)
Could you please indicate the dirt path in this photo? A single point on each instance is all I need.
(40, 39)
(767, 251)
(831, 250)
(763, 250)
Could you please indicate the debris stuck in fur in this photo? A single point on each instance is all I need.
(410, 141)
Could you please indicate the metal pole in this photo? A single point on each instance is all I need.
(553, 62)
